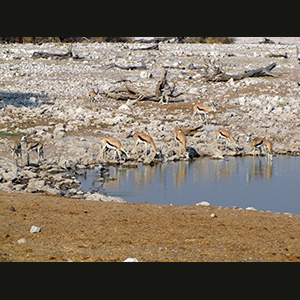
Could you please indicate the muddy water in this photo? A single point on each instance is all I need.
(242, 182)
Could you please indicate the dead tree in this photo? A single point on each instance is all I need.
(113, 65)
(279, 55)
(163, 91)
(153, 47)
(267, 41)
(211, 72)
(69, 54)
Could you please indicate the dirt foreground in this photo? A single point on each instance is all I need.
(80, 230)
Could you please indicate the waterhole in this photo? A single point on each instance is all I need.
(238, 181)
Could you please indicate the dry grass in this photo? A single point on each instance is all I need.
(210, 40)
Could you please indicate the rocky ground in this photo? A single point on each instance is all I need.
(48, 99)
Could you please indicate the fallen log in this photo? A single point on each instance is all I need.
(153, 47)
(278, 55)
(113, 65)
(267, 41)
(140, 95)
(154, 40)
(69, 54)
(163, 91)
(214, 73)
(130, 93)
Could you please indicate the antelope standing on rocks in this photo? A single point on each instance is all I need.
(114, 144)
(180, 137)
(203, 109)
(33, 146)
(225, 134)
(16, 150)
(140, 137)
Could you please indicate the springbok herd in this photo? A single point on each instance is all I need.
(111, 143)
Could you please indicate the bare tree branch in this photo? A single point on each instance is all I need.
(214, 73)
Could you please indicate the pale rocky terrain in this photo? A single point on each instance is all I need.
(48, 100)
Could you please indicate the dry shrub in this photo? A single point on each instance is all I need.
(209, 40)
(114, 39)
(219, 40)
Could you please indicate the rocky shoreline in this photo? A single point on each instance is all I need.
(48, 99)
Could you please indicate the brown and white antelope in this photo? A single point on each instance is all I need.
(203, 109)
(225, 134)
(110, 142)
(16, 150)
(33, 146)
(180, 137)
(191, 130)
(261, 142)
(268, 148)
(141, 137)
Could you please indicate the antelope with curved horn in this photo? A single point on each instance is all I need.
(110, 142)
(203, 109)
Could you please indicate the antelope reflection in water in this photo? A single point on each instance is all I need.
(163, 177)
(180, 172)
(141, 176)
(260, 169)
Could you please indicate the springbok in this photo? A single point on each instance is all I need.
(180, 137)
(16, 150)
(225, 134)
(33, 146)
(141, 137)
(203, 109)
(112, 143)
(258, 143)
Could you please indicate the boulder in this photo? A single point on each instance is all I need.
(35, 229)
(35, 185)
(203, 203)
(146, 74)
(100, 197)
(22, 241)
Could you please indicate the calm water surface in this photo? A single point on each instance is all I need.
(241, 182)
